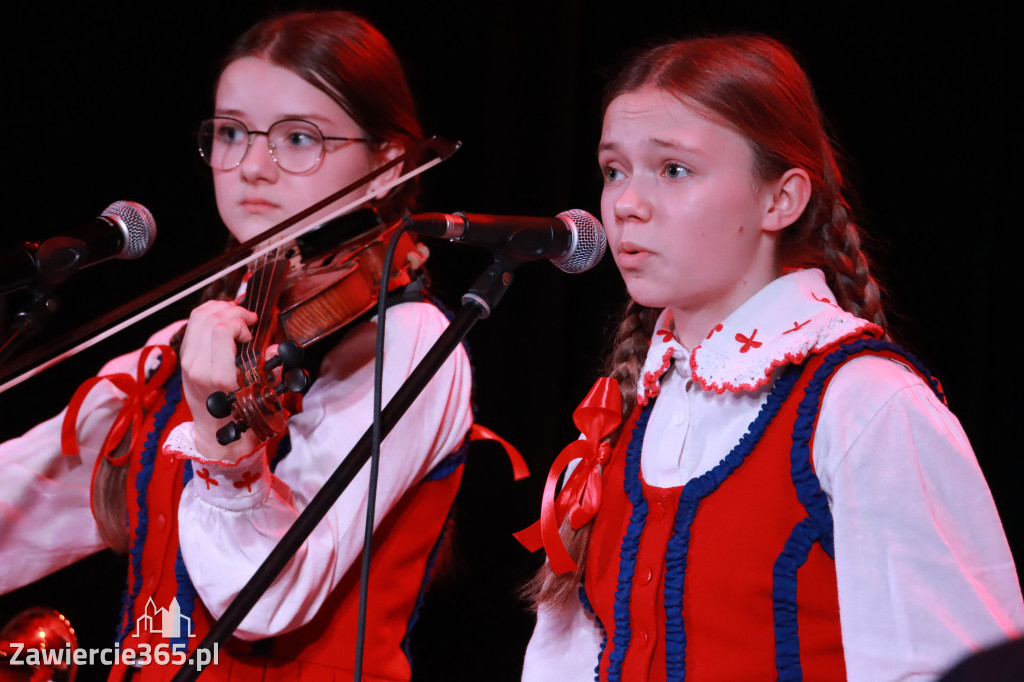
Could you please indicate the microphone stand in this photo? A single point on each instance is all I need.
(27, 323)
(55, 260)
(477, 304)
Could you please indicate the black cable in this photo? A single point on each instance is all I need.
(371, 497)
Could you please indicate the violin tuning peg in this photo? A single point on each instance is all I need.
(294, 380)
(219, 404)
(230, 432)
(291, 354)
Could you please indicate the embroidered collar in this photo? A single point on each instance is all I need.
(786, 321)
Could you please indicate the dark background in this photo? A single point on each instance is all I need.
(101, 103)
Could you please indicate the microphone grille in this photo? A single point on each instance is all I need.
(589, 242)
(138, 226)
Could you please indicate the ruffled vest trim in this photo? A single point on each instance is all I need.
(761, 529)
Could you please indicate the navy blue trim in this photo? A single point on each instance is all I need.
(808, 489)
(818, 526)
(693, 492)
(172, 397)
(186, 593)
(784, 573)
(449, 465)
(587, 607)
(630, 546)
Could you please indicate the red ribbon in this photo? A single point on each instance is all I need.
(519, 468)
(598, 415)
(140, 396)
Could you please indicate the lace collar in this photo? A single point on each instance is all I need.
(786, 321)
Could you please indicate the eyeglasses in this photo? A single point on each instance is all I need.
(295, 145)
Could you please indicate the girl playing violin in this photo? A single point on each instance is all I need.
(305, 104)
(771, 489)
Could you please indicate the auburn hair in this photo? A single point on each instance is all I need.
(343, 55)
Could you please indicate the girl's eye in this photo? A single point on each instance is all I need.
(300, 138)
(229, 133)
(674, 171)
(611, 174)
(294, 134)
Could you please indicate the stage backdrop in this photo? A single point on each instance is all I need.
(102, 101)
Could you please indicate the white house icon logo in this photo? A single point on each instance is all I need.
(167, 622)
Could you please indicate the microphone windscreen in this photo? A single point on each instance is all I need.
(137, 224)
(589, 242)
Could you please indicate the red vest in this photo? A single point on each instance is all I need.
(732, 576)
(324, 648)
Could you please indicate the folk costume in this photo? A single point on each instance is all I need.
(199, 528)
(790, 500)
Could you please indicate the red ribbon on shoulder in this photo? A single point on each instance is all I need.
(598, 415)
(140, 396)
(519, 468)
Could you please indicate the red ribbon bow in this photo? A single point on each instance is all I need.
(598, 415)
(141, 394)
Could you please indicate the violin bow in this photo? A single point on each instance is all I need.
(239, 256)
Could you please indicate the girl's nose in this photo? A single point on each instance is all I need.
(632, 203)
(259, 163)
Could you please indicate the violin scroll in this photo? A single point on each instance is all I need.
(257, 405)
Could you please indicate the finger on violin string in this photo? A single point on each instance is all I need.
(217, 320)
(210, 346)
(214, 311)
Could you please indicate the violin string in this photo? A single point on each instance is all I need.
(259, 303)
(251, 303)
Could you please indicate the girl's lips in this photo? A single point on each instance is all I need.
(630, 255)
(631, 259)
(257, 205)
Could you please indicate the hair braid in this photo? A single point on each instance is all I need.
(838, 243)
(632, 339)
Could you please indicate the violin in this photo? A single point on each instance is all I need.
(306, 293)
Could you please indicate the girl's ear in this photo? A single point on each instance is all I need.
(786, 199)
(389, 152)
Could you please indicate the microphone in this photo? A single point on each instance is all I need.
(124, 230)
(573, 241)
